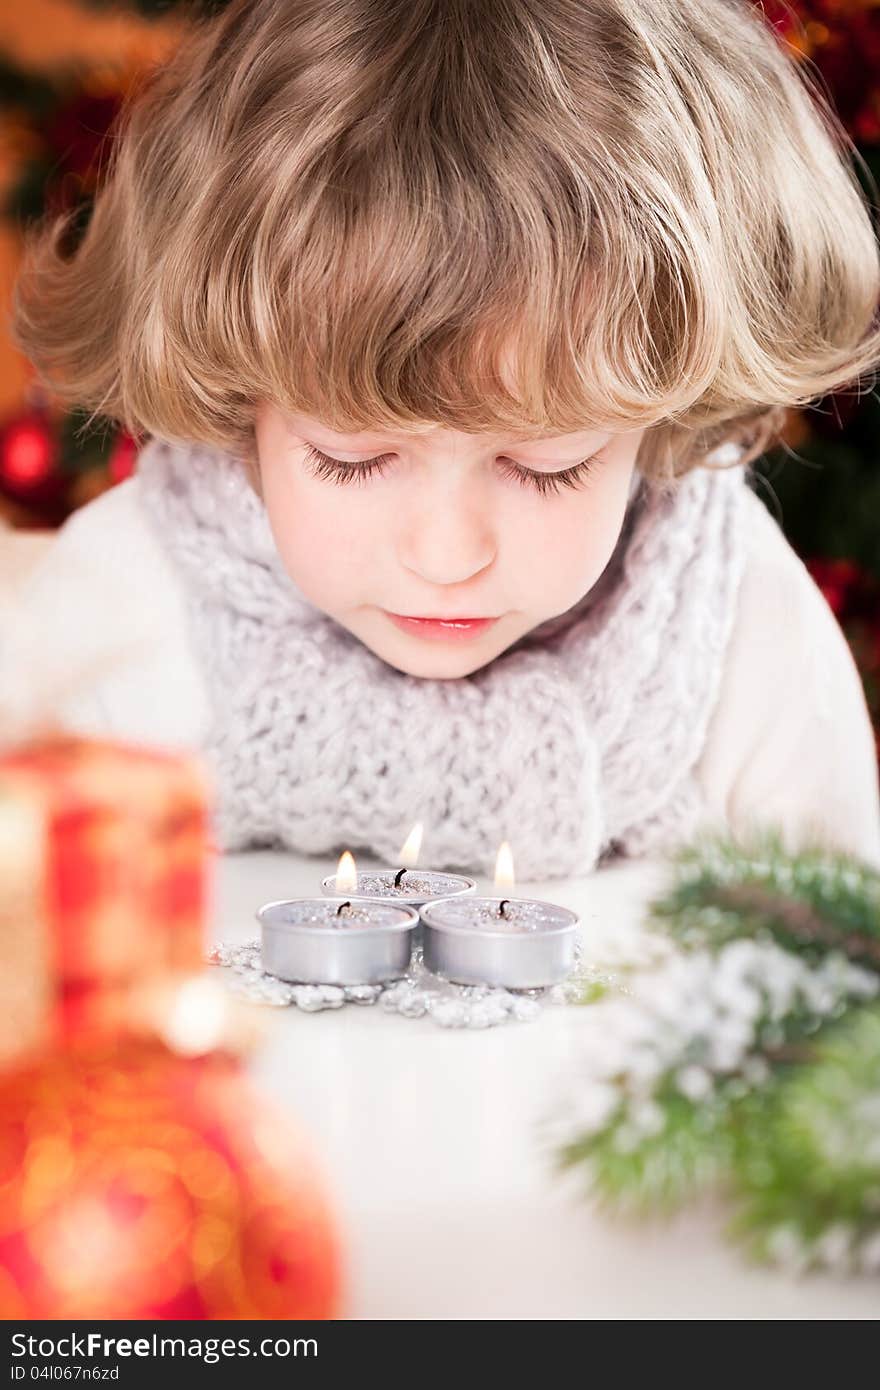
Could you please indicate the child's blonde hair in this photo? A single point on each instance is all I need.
(499, 216)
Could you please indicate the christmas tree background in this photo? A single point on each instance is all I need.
(65, 68)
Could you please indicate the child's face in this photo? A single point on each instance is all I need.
(445, 528)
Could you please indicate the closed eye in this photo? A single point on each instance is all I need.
(545, 483)
(338, 471)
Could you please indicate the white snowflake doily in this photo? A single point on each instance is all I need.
(416, 994)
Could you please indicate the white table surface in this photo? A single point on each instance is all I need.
(448, 1203)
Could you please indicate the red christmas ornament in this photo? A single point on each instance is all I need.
(138, 1184)
(123, 458)
(28, 453)
(838, 580)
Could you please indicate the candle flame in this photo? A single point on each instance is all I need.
(346, 873)
(504, 875)
(409, 852)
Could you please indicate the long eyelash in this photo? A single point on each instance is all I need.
(545, 483)
(335, 471)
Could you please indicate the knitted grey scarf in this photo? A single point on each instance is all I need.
(577, 742)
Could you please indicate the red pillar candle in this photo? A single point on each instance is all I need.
(134, 1182)
(103, 883)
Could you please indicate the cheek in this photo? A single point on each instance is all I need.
(568, 543)
(323, 540)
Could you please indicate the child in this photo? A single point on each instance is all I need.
(450, 331)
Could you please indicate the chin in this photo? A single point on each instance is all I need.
(438, 665)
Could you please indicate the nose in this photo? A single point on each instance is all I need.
(446, 536)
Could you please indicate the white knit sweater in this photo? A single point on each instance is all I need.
(765, 723)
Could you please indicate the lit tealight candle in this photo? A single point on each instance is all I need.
(405, 884)
(337, 941)
(517, 943)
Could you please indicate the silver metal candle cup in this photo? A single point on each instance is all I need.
(417, 886)
(467, 941)
(308, 941)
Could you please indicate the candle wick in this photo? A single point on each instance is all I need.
(342, 907)
(398, 876)
(501, 907)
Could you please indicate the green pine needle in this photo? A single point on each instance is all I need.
(813, 902)
(789, 1126)
(638, 1174)
(807, 1156)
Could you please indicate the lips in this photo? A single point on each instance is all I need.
(448, 629)
(428, 618)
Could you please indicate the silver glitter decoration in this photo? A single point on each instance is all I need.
(417, 994)
(417, 885)
(520, 914)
